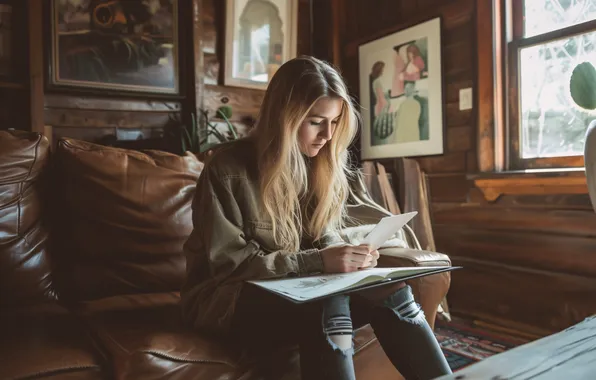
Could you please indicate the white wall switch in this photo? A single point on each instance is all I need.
(465, 99)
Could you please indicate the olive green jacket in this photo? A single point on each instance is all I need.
(232, 240)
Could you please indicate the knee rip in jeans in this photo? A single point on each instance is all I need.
(403, 305)
(338, 331)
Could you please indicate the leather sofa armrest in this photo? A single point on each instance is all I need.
(428, 291)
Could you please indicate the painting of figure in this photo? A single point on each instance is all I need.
(401, 93)
(116, 45)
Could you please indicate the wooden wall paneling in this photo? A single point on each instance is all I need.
(471, 158)
(95, 135)
(211, 62)
(304, 43)
(197, 90)
(448, 162)
(551, 201)
(88, 113)
(36, 64)
(448, 188)
(209, 35)
(548, 221)
(110, 104)
(365, 25)
(530, 300)
(485, 87)
(60, 117)
(339, 24)
(459, 138)
(458, 60)
(324, 29)
(550, 252)
(454, 117)
(245, 102)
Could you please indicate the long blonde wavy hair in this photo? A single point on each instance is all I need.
(287, 182)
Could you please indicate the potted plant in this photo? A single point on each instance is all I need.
(582, 87)
(187, 135)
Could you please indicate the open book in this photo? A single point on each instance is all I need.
(304, 289)
(311, 288)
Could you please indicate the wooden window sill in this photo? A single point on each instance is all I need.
(534, 182)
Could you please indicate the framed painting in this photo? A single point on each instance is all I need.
(260, 37)
(401, 93)
(117, 45)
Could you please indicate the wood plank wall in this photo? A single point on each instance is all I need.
(529, 260)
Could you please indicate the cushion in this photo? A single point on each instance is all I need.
(46, 342)
(144, 336)
(122, 218)
(24, 263)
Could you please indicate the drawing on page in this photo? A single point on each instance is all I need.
(315, 283)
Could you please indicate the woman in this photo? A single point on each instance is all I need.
(415, 67)
(410, 71)
(271, 205)
(380, 97)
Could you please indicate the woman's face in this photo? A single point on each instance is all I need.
(318, 127)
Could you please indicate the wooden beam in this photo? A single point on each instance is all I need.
(338, 31)
(197, 38)
(36, 69)
(486, 93)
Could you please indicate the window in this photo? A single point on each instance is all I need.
(547, 39)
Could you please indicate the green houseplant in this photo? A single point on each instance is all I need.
(582, 87)
(193, 134)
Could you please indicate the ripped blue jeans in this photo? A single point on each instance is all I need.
(324, 329)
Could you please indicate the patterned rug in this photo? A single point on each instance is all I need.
(465, 345)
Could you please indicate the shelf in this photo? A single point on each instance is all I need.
(561, 181)
(12, 85)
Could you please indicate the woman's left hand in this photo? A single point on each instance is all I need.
(371, 260)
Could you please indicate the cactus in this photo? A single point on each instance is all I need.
(582, 86)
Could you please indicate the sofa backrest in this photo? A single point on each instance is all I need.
(25, 271)
(121, 219)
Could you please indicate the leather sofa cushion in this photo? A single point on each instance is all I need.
(24, 263)
(121, 219)
(144, 337)
(46, 342)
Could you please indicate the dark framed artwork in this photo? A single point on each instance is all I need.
(401, 92)
(115, 45)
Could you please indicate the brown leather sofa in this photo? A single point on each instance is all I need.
(91, 264)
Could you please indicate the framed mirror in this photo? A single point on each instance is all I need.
(260, 37)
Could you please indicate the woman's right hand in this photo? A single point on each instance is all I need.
(346, 258)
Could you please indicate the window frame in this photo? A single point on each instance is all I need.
(513, 40)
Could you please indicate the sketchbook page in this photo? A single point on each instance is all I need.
(306, 288)
(394, 273)
(386, 228)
